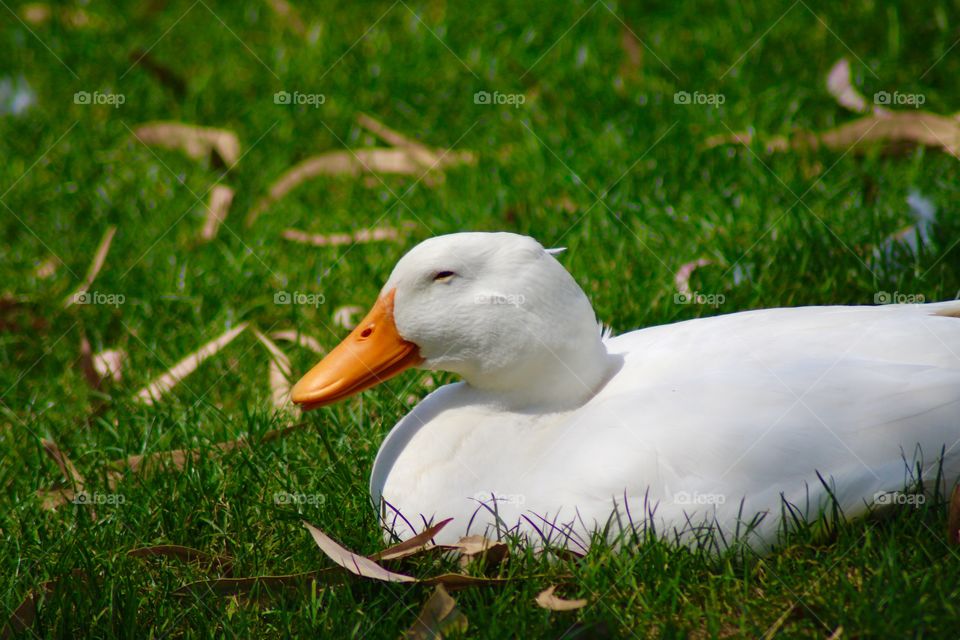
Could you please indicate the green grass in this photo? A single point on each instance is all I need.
(592, 127)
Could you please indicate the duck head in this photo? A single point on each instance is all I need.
(495, 308)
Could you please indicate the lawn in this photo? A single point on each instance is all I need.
(576, 137)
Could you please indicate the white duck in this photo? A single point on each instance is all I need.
(559, 430)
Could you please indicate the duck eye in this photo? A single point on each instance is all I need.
(443, 276)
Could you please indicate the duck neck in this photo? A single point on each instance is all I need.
(557, 377)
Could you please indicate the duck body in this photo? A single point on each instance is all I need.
(558, 432)
(699, 416)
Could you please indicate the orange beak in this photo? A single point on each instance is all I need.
(372, 353)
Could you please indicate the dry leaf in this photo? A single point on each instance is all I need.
(39, 13)
(280, 374)
(412, 546)
(420, 153)
(894, 131)
(24, 615)
(408, 157)
(289, 15)
(47, 268)
(438, 617)
(491, 551)
(301, 339)
(355, 564)
(79, 296)
(176, 458)
(682, 278)
(346, 316)
(66, 466)
(376, 234)
(244, 586)
(161, 385)
(221, 196)
(86, 364)
(840, 86)
(185, 554)
(110, 363)
(548, 600)
(167, 76)
(52, 499)
(197, 142)
(953, 517)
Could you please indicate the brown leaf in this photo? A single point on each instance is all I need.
(895, 130)
(66, 466)
(25, 613)
(355, 564)
(375, 234)
(185, 554)
(52, 499)
(491, 551)
(164, 383)
(176, 458)
(891, 131)
(308, 342)
(548, 600)
(953, 517)
(86, 364)
(218, 206)
(289, 15)
(244, 586)
(99, 257)
(462, 581)
(420, 153)
(412, 546)
(408, 157)
(197, 142)
(109, 364)
(346, 316)
(167, 76)
(280, 374)
(840, 86)
(438, 617)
